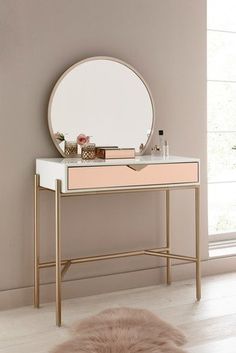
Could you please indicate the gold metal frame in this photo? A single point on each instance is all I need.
(62, 266)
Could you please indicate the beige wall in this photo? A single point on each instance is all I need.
(163, 39)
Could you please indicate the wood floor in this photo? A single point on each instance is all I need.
(210, 325)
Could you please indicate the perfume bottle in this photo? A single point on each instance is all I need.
(166, 149)
(161, 140)
(155, 151)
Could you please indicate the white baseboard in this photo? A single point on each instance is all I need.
(83, 287)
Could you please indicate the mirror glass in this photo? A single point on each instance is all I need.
(105, 99)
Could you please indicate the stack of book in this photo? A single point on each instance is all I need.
(113, 152)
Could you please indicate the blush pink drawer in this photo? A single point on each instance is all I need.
(121, 176)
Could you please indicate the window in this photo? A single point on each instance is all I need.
(221, 129)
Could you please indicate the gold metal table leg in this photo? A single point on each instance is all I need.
(168, 260)
(36, 241)
(58, 262)
(58, 250)
(197, 233)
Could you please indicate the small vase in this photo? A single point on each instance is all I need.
(88, 151)
(70, 148)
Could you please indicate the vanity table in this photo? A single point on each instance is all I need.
(74, 177)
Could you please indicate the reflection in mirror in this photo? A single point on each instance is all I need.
(105, 99)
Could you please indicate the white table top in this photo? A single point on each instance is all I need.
(147, 159)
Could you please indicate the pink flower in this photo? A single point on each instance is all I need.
(82, 139)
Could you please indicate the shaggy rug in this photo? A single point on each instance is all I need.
(123, 330)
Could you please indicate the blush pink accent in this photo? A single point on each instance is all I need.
(118, 176)
(125, 330)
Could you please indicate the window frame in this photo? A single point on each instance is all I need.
(224, 236)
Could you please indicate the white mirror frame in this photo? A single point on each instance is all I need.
(99, 58)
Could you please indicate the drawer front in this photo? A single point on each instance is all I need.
(123, 176)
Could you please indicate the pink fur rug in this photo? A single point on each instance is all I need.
(123, 330)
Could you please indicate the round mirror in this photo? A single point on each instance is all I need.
(103, 98)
